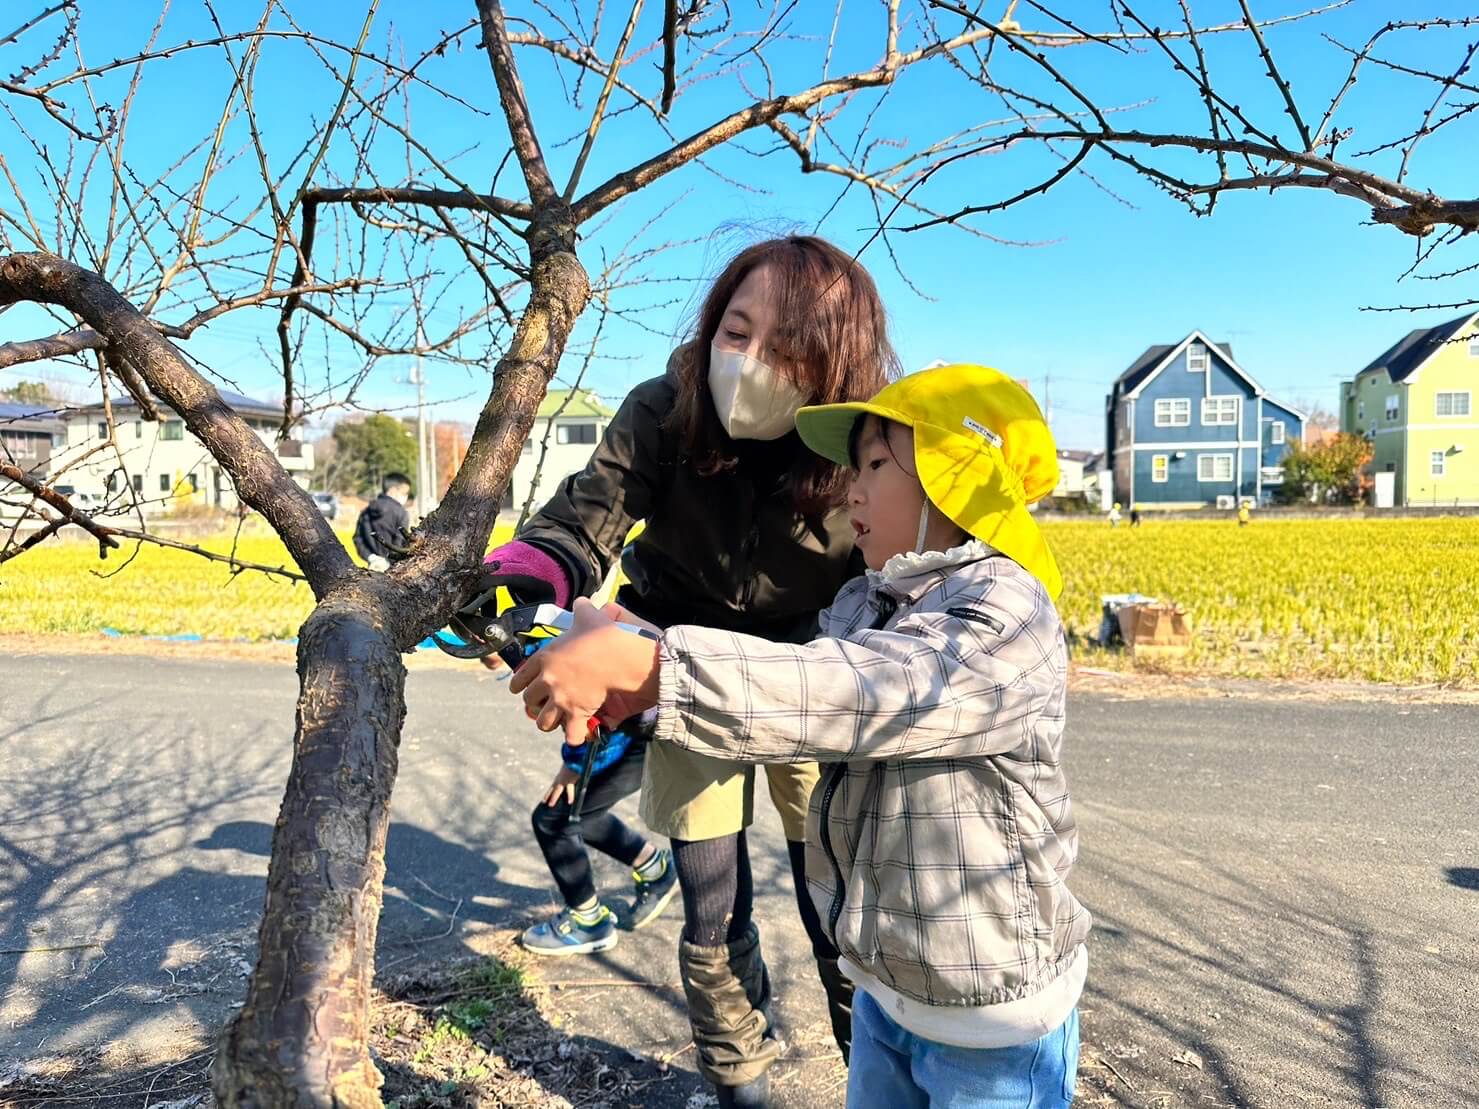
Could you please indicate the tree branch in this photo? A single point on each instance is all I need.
(259, 477)
(515, 107)
(57, 501)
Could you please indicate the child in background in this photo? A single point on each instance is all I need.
(586, 924)
(941, 835)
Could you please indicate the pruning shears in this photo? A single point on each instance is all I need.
(513, 635)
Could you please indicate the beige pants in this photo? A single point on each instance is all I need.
(686, 795)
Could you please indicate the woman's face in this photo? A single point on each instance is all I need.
(749, 324)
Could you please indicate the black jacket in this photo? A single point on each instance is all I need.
(728, 551)
(380, 527)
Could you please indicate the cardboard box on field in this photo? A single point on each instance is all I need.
(1155, 629)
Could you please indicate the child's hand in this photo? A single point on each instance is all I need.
(624, 616)
(564, 784)
(594, 669)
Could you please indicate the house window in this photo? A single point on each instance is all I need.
(528, 446)
(172, 429)
(1361, 410)
(1453, 404)
(138, 429)
(1276, 433)
(164, 483)
(1438, 463)
(1391, 467)
(138, 483)
(1215, 467)
(1394, 405)
(19, 445)
(1218, 411)
(102, 429)
(575, 434)
(194, 483)
(1160, 468)
(1474, 347)
(1173, 412)
(1196, 358)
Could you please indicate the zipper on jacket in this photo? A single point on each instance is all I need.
(887, 606)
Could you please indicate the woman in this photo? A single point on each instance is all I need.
(746, 532)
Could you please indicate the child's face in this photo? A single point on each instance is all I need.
(884, 500)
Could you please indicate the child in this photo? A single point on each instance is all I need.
(586, 924)
(941, 835)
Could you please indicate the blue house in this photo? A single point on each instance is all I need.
(1186, 426)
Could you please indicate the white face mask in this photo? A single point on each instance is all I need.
(753, 401)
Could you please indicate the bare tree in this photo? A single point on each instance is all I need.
(124, 262)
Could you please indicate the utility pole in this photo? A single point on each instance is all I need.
(418, 378)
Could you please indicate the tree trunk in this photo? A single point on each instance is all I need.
(301, 1038)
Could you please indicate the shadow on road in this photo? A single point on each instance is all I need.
(1464, 877)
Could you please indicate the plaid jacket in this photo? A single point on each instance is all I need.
(940, 838)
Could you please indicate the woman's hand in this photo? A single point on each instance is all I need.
(594, 669)
(562, 786)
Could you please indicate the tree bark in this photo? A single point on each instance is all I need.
(301, 1038)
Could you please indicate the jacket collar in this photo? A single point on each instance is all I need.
(909, 574)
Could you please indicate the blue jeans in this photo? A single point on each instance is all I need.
(893, 1067)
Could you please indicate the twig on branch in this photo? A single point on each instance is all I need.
(59, 503)
(238, 564)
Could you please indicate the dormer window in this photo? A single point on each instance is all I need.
(1196, 358)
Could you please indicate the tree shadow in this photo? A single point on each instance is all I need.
(1253, 979)
(1464, 877)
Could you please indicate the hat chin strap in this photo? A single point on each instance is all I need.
(924, 524)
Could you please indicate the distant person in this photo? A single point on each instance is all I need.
(382, 526)
(1244, 514)
(1114, 515)
(1134, 515)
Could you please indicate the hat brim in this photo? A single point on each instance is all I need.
(826, 428)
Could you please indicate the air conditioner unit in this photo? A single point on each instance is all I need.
(1227, 502)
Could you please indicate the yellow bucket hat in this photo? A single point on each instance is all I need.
(982, 451)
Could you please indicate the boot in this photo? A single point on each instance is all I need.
(752, 1095)
(839, 1003)
(728, 991)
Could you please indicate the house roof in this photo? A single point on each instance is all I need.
(1151, 360)
(583, 404)
(1404, 357)
(1077, 456)
(10, 411)
(238, 401)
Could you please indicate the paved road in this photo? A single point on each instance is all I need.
(1285, 892)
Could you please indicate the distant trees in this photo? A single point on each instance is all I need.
(366, 450)
(27, 392)
(1332, 471)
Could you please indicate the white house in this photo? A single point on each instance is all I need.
(161, 463)
(566, 429)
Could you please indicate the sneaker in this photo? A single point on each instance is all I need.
(563, 934)
(653, 894)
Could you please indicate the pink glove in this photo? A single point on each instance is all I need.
(518, 560)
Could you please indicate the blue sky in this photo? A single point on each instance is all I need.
(1116, 264)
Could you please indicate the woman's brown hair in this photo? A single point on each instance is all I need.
(835, 338)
